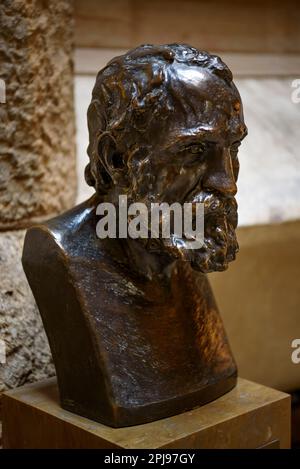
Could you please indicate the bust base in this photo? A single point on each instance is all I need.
(249, 416)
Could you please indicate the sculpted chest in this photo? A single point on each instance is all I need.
(147, 349)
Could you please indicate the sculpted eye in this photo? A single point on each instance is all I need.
(196, 148)
(235, 148)
(194, 154)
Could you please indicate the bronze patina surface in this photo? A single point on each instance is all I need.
(132, 323)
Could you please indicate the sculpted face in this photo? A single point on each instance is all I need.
(194, 159)
(189, 154)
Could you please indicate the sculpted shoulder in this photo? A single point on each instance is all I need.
(66, 234)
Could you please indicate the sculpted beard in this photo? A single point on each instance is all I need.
(220, 243)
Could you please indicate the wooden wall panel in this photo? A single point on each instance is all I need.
(217, 25)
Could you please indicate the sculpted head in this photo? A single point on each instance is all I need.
(165, 124)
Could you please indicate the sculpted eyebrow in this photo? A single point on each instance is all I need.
(190, 138)
(240, 137)
(244, 135)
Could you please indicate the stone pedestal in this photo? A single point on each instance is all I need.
(249, 416)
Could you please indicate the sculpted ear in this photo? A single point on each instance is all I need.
(108, 152)
(111, 158)
(107, 166)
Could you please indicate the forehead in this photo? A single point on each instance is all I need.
(201, 98)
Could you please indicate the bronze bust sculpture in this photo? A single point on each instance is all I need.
(132, 323)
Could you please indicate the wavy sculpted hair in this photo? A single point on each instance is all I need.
(131, 92)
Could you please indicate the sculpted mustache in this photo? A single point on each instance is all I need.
(215, 204)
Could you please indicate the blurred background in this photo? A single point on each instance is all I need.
(258, 296)
(260, 41)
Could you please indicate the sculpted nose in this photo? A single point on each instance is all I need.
(219, 175)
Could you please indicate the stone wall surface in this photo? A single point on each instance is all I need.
(37, 165)
(28, 357)
(37, 150)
